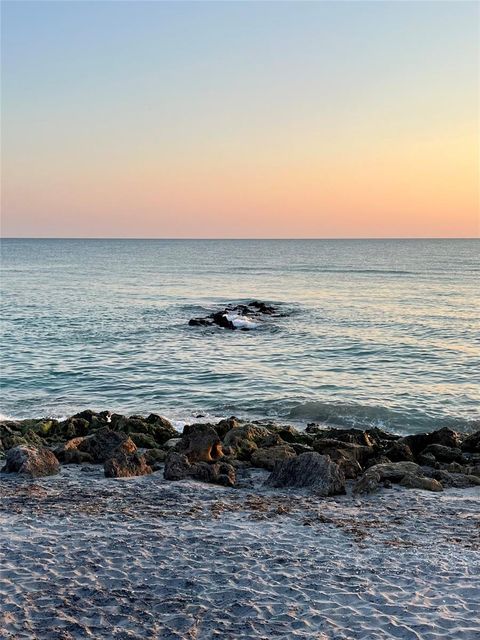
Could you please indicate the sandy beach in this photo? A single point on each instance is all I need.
(83, 556)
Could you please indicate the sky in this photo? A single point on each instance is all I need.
(240, 119)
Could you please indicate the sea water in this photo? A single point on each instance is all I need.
(370, 332)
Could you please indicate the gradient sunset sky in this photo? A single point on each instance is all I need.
(240, 119)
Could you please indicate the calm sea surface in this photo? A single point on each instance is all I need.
(374, 332)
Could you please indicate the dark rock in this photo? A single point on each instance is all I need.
(262, 307)
(253, 310)
(104, 443)
(456, 480)
(443, 454)
(243, 441)
(266, 457)
(471, 443)
(224, 426)
(126, 465)
(200, 443)
(420, 441)
(155, 456)
(178, 467)
(352, 436)
(157, 427)
(309, 470)
(217, 473)
(143, 440)
(200, 322)
(31, 461)
(412, 481)
(399, 451)
(373, 478)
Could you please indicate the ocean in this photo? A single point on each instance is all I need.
(371, 332)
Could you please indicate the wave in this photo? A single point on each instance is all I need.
(368, 416)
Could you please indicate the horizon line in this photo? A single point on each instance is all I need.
(239, 238)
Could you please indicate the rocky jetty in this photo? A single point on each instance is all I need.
(241, 316)
(325, 460)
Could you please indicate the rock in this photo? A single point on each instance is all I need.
(412, 481)
(309, 470)
(399, 451)
(272, 440)
(178, 467)
(105, 442)
(155, 426)
(72, 428)
(217, 473)
(224, 426)
(471, 443)
(456, 480)
(266, 457)
(327, 446)
(31, 461)
(253, 311)
(443, 454)
(420, 441)
(173, 442)
(390, 472)
(155, 456)
(243, 441)
(126, 465)
(200, 443)
(143, 440)
(352, 436)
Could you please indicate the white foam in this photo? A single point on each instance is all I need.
(240, 322)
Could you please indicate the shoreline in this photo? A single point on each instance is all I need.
(236, 529)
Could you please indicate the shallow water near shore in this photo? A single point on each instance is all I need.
(371, 333)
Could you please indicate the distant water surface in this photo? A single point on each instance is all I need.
(380, 332)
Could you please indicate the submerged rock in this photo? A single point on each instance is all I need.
(34, 462)
(309, 470)
(241, 316)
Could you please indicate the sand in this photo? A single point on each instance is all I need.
(82, 556)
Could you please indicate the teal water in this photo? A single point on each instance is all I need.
(381, 332)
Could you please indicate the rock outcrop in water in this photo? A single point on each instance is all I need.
(241, 316)
(223, 453)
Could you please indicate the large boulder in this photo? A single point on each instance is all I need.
(312, 470)
(266, 457)
(178, 467)
(31, 461)
(126, 465)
